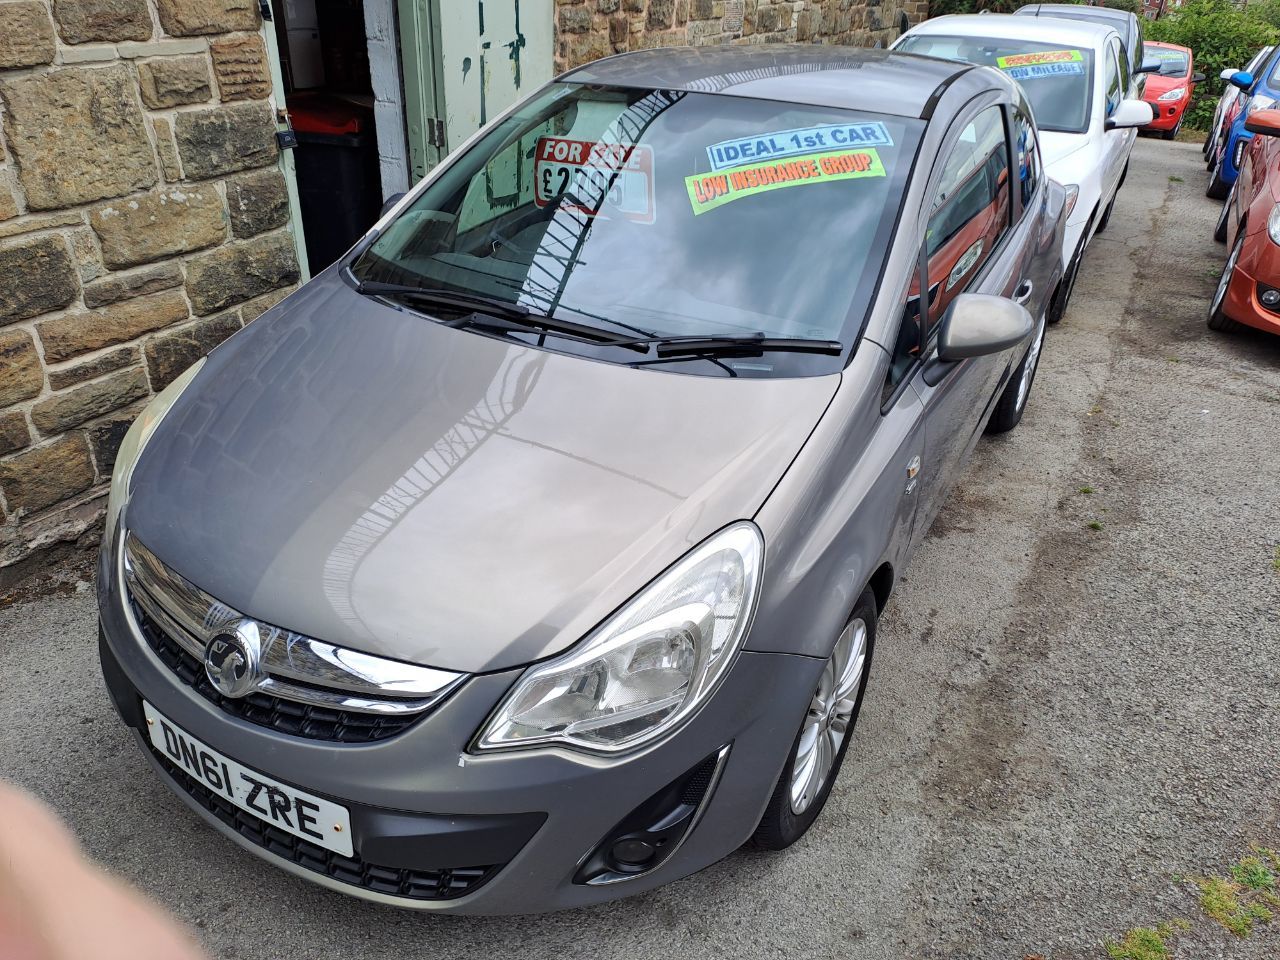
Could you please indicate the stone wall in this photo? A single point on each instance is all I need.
(142, 221)
(589, 29)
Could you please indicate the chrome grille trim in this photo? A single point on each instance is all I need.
(297, 668)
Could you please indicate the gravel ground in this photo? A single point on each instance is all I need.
(1062, 719)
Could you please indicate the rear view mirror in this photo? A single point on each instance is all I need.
(976, 325)
(1150, 65)
(1197, 78)
(1242, 79)
(1130, 113)
(1265, 122)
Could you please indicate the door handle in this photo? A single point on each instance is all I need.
(1023, 293)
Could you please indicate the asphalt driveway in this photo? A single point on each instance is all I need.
(1075, 705)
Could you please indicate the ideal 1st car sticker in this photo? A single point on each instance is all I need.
(595, 179)
(790, 143)
(1049, 63)
(710, 190)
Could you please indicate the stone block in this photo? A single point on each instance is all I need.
(38, 277)
(99, 146)
(20, 375)
(257, 202)
(84, 250)
(240, 271)
(124, 286)
(170, 165)
(87, 21)
(176, 219)
(14, 432)
(62, 411)
(172, 352)
(575, 19)
(661, 14)
(8, 201)
(106, 434)
(225, 139)
(186, 18)
(31, 224)
(173, 81)
(102, 364)
(26, 35)
(73, 334)
(240, 64)
(43, 476)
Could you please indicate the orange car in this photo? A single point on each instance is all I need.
(1248, 292)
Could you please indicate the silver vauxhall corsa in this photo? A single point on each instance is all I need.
(531, 556)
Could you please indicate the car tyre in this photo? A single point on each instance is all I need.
(803, 788)
(1013, 401)
(1220, 229)
(1217, 319)
(1218, 188)
(1106, 214)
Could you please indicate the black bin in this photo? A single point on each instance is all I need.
(339, 185)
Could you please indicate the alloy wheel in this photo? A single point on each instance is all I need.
(830, 713)
(1224, 282)
(1029, 365)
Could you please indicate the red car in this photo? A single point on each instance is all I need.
(1169, 90)
(1248, 292)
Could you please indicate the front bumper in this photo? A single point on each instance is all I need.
(526, 820)
(1259, 264)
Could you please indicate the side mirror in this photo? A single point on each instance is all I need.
(390, 202)
(1197, 78)
(1150, 65)
(1265, 122)
(1242, 79)
(1130, 113)
(976, 325)
(1228, 73)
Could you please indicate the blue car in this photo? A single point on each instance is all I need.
(1261, 91)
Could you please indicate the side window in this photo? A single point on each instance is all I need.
(969, 216)
(1125, 70)
(1114, 96)
(1024, 138)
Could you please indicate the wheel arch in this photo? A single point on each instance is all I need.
(881, 584)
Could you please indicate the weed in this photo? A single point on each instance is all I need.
(1253, 874)
(1095, 524)
(1173, 359)
(1275, 561)
(1173, 179)
(1089, 490)
(1220, 899)
(1143, 943)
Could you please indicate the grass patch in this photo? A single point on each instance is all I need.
(1144, 943)
(1275, 561)
(1229, 903)
(1173, 179)
(1088, 490)
(1095, 524)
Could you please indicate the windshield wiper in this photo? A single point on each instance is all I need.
(493, 314)
(742, 346)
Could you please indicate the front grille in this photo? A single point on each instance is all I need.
(446, 883)
(286, 716)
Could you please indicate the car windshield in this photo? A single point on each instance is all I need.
(659, 213)
(1173, 63)
(1058, 80)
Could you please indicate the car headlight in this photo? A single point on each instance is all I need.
(649, 666)
(1073, 194)
(1273, 225)
(1176, 94)
(1259, 103)
(139, 433)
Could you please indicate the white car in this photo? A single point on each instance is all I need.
(1076, 77)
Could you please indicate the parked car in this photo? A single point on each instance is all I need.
(1170, 88)
(1074, 76)
(1261, 92)
(532, 555)
(1248, 293)
(1128, 25)
(1230, 101)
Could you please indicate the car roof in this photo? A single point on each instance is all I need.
(1077, 11)
(854, 78)
(1006, 26)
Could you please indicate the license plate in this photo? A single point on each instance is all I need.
(312, 818)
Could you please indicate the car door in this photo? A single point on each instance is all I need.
(1032, 193)
(1116, 143)
(970, 245)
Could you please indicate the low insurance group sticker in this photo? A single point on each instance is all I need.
(710, 190)
(1050, 63)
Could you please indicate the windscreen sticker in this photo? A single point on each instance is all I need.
(1050, 63)
(710, 190)
(1161, 54)
(790, 143)
(595, 179)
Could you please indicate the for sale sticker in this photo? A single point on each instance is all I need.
(596, 179)
(710, 190)
(1048, 63)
